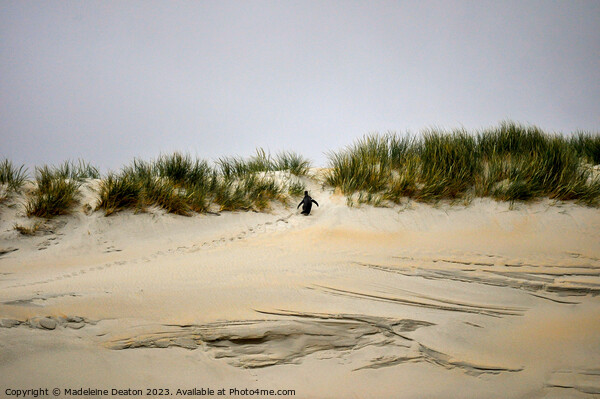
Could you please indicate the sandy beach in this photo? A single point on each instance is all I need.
(153, 154)
(478, 300)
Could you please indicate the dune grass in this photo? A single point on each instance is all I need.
(511, 162)
(54, 194)
(78, 171)
(296, 188)
(236, 167)
(251, 192)
(57, 188)
(180, 184)
(175, 182)
(120, 191)
(14, 178)
(294, 163)
(587, 146)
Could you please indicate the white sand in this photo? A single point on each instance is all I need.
(406, 302)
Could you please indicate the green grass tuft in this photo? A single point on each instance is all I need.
(236, 167)
(180, 184)
(296, 188)
(511, 162)
(54, 195)
(292, 162)
(13, 177)
(119, 192)
(587, 146)
(165, 194)
(79, 170)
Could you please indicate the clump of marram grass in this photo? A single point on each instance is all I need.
(447, 164)
(510, 162)
(57, 188)
(119, 192)
(181, 185)
(263, 190)
(292, 162)
(231, 167)
(79, 170)
(54, 194)
(129, 191)
(296, 188)
(251, 192)
(165, 194)
(139, 170)
(230, 196)
(182, 170)
(365, 166)
(537, 165)
(14, 178)
(171, 183)
(236, 167)
(587, 146)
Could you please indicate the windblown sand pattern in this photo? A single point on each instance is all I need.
(413, 301)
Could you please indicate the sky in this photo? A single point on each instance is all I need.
(108, 81)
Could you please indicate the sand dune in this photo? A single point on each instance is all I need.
(478, 300)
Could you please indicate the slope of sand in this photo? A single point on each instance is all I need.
(416, 301)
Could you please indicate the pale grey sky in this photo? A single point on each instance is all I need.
(108, 81)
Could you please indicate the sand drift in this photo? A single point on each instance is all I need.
(484, 300)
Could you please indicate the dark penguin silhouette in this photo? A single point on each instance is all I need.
(306, 204)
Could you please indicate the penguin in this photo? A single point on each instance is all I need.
(306, 204)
